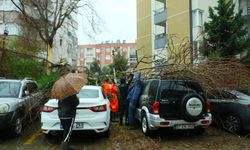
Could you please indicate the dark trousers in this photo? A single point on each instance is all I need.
(123, 112)
(67, 125)
(131, 114)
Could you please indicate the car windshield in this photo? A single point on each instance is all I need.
(88, 93)
(247, 91)
(9, 89)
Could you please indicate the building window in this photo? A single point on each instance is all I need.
(197, 17)
(98, 50)
(200, 18)
(89, 50)
(108, 57)
(108, 50)
(60, 42)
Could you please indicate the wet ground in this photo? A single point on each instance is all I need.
(122, 139)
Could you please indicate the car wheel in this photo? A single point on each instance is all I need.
(17, 126)
(232, 123)
(144, 125)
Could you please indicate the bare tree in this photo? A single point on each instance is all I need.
(47, 16)
(212, 74)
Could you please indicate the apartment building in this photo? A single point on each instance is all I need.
(162, 21)
(65, 41)
(103, 53)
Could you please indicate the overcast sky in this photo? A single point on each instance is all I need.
(118, 21)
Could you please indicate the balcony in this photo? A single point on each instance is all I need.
(245, 7)
(160, 17)
(163, 1)
(160, 41)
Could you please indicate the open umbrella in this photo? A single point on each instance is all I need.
(68, 85)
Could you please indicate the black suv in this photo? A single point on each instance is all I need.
(19, 100)
(176, 104)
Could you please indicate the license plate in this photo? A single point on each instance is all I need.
(184, 126)
(78, 125)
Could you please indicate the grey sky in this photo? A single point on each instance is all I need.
(118, 22)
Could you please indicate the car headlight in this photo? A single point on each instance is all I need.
(4, 108)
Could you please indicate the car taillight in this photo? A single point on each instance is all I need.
(98, 108)
(208, 106)
(47, 109)
(156, 108)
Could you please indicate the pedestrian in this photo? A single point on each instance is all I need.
(133, 97)
(107, 87)
(114, 104)
(67, 113)
(123, 102)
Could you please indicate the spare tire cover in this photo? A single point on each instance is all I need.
(192, 107)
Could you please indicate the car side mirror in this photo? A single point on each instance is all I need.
(26, 93)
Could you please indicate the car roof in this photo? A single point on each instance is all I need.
(10, 80)
(91, 87)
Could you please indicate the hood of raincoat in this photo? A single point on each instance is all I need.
(137, 76)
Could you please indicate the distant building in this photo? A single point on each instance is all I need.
(103, 53)
(65, 41)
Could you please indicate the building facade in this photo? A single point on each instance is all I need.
(65, 40)
(163, 25)
(103, 53)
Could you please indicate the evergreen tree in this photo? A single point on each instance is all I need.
(225, 34)
(95, 67)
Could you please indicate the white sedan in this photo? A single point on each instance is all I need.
(93, 113)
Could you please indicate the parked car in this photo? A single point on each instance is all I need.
(174, 104)
(245, 91)
(231, 110)
(93, 113)
(19, 100)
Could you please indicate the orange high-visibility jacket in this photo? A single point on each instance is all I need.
(111, 89)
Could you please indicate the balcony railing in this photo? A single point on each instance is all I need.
(163, 1)
(160, 41)
(160, 16)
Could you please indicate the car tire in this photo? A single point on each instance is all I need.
(232, 123)
(17, 126)
(192, 107)
(144, 125)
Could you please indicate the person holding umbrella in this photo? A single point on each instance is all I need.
(65, 90)
(67, 113)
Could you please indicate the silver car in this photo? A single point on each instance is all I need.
(19, 99)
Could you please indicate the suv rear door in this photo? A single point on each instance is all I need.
(170, 95)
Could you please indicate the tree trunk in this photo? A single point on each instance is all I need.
(49, 59)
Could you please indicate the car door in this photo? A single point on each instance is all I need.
(170, 96)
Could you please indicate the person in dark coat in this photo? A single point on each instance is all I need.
(133, 97)
(67, 113)
(123, 89)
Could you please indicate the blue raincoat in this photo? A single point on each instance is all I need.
(133, 97)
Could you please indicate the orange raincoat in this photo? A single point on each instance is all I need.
(111, 89)
(114, 101)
